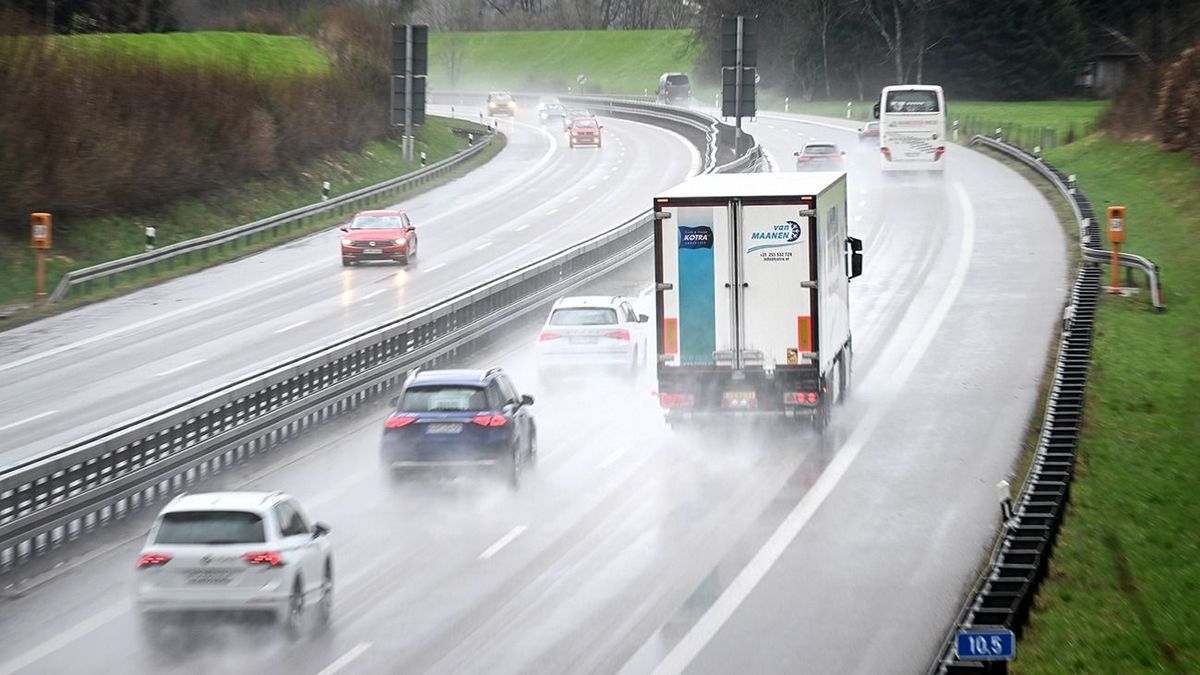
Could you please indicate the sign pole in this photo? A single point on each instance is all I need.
(41, 237)
(737, 86)
(41, 274)
(408, 82)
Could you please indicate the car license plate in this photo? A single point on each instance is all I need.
(444, 428)
(583, 341)
(210, 577)
(372, 251)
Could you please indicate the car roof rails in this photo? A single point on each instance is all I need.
(273, 494)
(490, 372)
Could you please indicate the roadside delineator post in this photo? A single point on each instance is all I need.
(955, 131)
(423, 158)
(1116, 237)
(786, 103)
(849, 108)
(150, 233)
(41, 235)
(324, 190)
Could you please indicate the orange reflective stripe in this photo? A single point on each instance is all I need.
(670, 336)
(804, 333)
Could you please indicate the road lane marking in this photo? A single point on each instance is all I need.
(483, 246)
(504, 541)
(346, 659)
(18, 423)
(176, 369)
(552, 212)
(612, 458)
(374, 293)
(524, 227)
(701, 634)
(573, 198)
(160, 317)
(295, 325)
(592, 187)
(435, 267)
(64, 638)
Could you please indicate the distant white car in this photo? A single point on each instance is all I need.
(253, 552)
(583, 333)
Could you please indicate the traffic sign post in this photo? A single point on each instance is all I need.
(410, 65)
(739, 61)
(985, 643)
(41, 238)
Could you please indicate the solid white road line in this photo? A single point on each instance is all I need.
(18, 423)
(686, 650)
(161, 317)
(345, 659)
(176, 369)
(64, 638)
(504, 541)
(295, 325)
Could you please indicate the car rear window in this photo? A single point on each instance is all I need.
(210, 527)
(585, 123)
(501, 97)
(583, 316)
(821, 150)
(912, 101)
(376, 223)
(443, 398)
(677, 79)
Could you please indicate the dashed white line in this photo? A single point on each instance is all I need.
(573, 198)
(373, 293)
(504, 541)
(483, 246)
(291, 327)
(552, 212)
(435, 267)
(592, 187)
(612, 458)
(185, 366)
(605, 177)
(526, 226)
(27, 420)
(64, 638)
(346, 659)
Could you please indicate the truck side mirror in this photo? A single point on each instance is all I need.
(856, 257)
(875, 110)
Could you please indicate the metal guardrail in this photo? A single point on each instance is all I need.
(1093, 250)
(183, 251)
(56, 497)
(1020, 559)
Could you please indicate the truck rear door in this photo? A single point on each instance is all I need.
(779, 315)
(694, 273)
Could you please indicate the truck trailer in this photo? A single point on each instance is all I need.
(752, 296)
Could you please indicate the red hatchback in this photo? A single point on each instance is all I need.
(379, 235)
(584, 131)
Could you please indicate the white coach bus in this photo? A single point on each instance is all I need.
(912, 127)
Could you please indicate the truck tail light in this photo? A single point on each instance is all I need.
(272, 558)
(887, 152)
(808, 398)
(675, 400)
(490, 420)
(153, 560)
(938, 152)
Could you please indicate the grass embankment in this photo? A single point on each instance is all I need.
(1125, 577)
(105, 238)
(265, 56)
(615, 62)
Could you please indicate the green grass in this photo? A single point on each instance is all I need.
(1125, 577)
(615, 62)
(105, 238)
(260, 55)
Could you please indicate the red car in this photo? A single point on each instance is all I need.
(379, 235)
(584, 131)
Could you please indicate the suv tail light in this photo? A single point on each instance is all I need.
(272, 558)
(803, 158)
(547, 335)
(153, 559)
(490, 420)
(618, 334)
(887, 152)
(398, 421)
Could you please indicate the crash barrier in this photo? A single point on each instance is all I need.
(1020, 558)
(244, 235)
(1093, 250)
(54, 498)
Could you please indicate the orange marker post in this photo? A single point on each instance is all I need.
(41, 235)
(1116, 237)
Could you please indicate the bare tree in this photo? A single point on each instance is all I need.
(884, 12)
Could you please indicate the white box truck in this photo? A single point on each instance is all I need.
(753, 295)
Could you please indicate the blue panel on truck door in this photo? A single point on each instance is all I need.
(697, 306)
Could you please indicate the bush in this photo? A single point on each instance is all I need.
(1177, 115)
(81, 135)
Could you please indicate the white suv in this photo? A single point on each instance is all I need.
(582, 333)
(234, 552)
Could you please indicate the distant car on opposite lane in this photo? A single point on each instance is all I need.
(584, 131)
(501, 103)
(234, 552)
(379, 235)
(819, 157)
(584, 333)
(460, 419)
